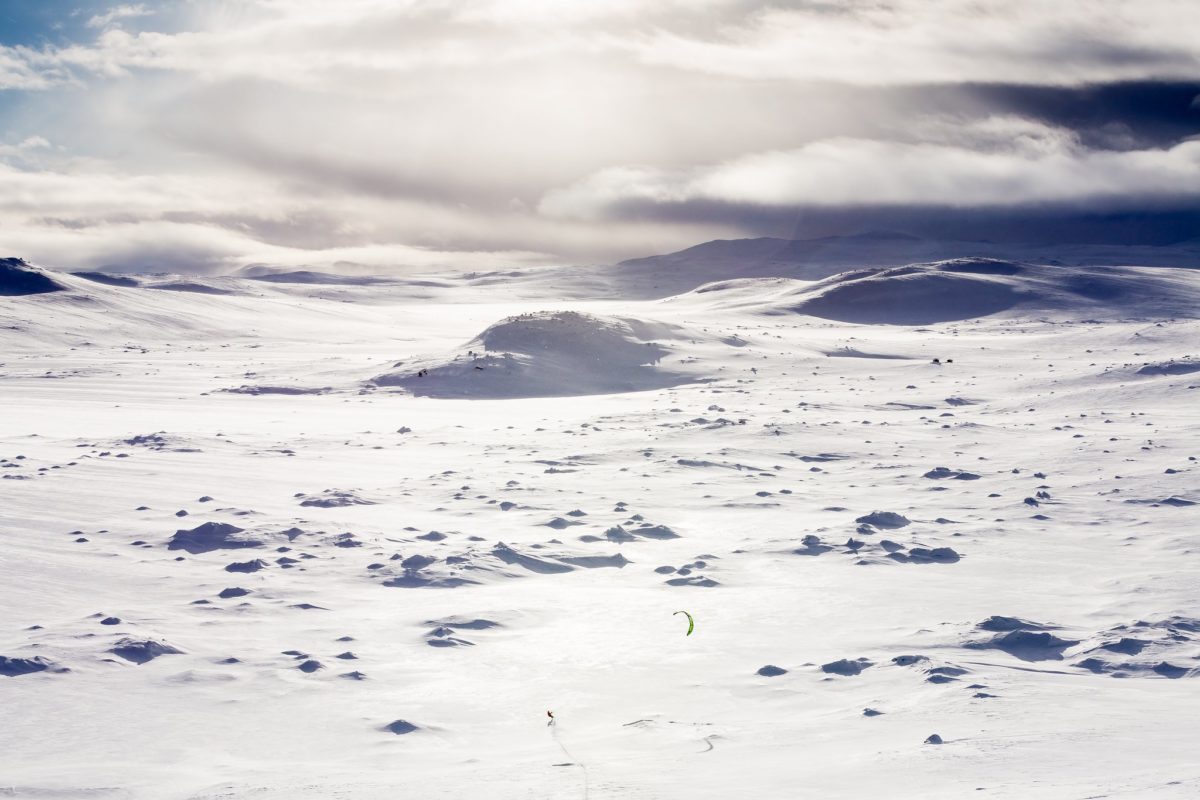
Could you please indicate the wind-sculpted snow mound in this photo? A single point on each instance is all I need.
(123, 281)
(909, 296)
(18, 278)
(960, 289)
(196, 287)
(548, 355)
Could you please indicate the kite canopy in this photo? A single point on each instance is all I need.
(691, 622)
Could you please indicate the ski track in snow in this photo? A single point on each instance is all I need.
(322, 540)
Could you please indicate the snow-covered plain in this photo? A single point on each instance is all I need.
(446, 505)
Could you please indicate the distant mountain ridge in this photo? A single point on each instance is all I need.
(816, 259)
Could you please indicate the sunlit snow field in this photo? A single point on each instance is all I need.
(465, 502)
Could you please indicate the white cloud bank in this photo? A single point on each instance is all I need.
(1027, 165)
(855, 41)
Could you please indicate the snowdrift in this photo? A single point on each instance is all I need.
(546, 354)
(189, 286)
(109, 280)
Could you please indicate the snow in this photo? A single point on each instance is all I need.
(246, 551)
(670, 274)
(17, 278)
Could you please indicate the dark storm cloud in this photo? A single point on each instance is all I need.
(1154, 224)
(1125, 116)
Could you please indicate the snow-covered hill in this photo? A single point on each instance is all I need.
(554, 354)
(814, 259)
(946, 291)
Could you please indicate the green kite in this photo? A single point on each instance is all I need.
(691, 622)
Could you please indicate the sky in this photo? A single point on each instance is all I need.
(206, 135)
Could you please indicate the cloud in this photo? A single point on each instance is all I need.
(996, 162)
(856, 41)
(23, 147)
(86, 214)
(541, 130)
(20, 68)
(161, 246)
(940, 41)
(118, 13)
(1121, 116)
